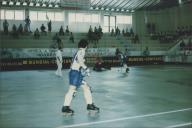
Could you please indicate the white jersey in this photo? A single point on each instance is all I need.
(78, 60)
(59, 58)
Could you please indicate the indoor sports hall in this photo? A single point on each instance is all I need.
(138, 63)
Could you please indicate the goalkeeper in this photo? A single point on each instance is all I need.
(78, 71)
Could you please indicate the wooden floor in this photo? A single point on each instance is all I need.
(155, 96)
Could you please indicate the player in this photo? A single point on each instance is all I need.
(78, 71)
(126, 54)
(123, 60)
(59, 61)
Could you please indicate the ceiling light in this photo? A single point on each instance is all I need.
(132, 10)
(25, 3)
(102, 8)
(11, 3)
(96, 8)
(107, 9)
(50, 5)
(4, 3)
(56, 6)
(91, 8)
(37, 4)
(117, 9)
(127, 10)
(44, 5)
(122, 10)
(31, 4)
(112, 9)
(18, 3)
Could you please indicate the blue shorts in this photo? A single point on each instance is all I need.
(75, 78)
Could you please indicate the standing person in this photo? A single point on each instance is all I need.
(5, 27)
(59, 61)
(49, 24)
(77, 72)
(126, 54)
(27, 23)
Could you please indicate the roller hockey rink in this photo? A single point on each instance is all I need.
(146, 96)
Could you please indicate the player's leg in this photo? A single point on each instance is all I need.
(88, 97)
(60, 69)
(57, 71)
(68, 99)
(74, 77)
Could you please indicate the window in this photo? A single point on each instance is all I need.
(106, 24)
(95, 18)
(71, 17)
(9, 14)
(112, 21)
(59, 16)
(50, 16)
(41, 16)
(19, 15)
(33, 15)
(2, 14)
(79, 17)
(124, 19)
(87, 18)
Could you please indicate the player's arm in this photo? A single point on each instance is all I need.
(81, 59)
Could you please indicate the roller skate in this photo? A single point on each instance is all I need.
(67, 111)
(127, 70)
(92, 109)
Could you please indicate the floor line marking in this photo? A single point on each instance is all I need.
(124, 118)
(179, 125)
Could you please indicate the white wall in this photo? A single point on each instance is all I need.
(74, 27)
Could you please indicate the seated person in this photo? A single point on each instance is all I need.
(182, 45)
(43, 29)
(146, 52)
(71, 38)
(100, 65)
(61, 31)
(20, 29)
(67, 30)
(36, 34)
(14, 31)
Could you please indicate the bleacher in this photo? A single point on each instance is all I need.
(45, 41)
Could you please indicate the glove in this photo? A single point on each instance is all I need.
(85, 72)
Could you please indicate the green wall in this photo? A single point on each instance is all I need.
(165, 19)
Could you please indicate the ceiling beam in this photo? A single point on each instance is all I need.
(98, 3)
(130, 5)
(125, 4)
(121, 3)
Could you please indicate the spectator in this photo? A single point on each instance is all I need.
(49, 24)
(20, 29)
(27, 23)
(112, 32)
(182, 45)
(14, 31)
(189, 45)
(43, 29)
(61, 31)
(100, 32)
(136, 38)
(90, 32)
(36, 34)
(67, 30)
(146, 52)
(123, 32)
(55, 37)
(117, 52)
(71, 38)
(5, 27)
(117, 32)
